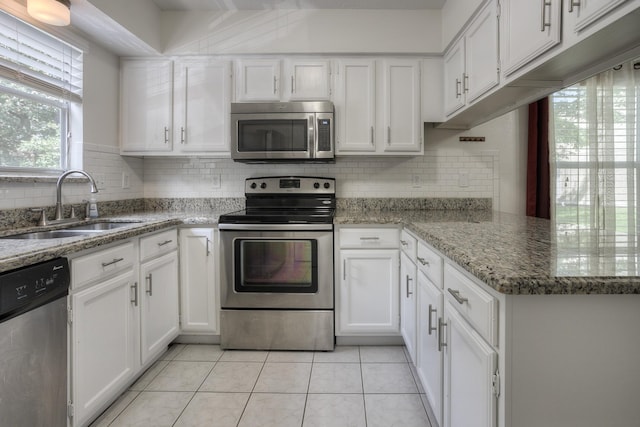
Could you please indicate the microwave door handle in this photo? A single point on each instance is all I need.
(312, 137)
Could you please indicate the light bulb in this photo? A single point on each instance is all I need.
(54, 12)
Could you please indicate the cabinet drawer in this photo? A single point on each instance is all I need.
(430, 263)
(475, 304)
(100, 264)
(408, 244)
(158, 244)
(369, 238)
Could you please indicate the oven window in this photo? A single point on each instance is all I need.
(276, 265)
(272, 135)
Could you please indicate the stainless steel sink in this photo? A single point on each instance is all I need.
(71, 231)
(100, 226)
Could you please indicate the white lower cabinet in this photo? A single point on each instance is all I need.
(469, 368)
(158, 295)
(104, 337)
(408, 298)
(430, 361)
(199, 303)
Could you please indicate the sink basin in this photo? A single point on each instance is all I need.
(100, 226)
(51, 234)
(72, 231)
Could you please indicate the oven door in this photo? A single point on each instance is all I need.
(277, 269)
(276, 136)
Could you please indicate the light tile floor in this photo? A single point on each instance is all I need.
(202, 385)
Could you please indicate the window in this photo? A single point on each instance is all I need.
(40, 77)
(595, 163)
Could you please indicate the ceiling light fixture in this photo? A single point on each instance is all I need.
(54, 12)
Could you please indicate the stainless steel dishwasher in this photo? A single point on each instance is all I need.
(33, 345)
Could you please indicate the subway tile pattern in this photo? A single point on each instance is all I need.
(199, 385)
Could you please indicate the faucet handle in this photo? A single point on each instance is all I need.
(42, 221)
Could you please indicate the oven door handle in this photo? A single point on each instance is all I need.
(276, 227)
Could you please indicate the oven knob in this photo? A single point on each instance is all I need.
(316, 185)
(253, 185)
(327, 185)
(263, 185)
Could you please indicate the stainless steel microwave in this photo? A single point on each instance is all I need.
(282, 132)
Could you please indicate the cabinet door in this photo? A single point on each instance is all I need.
(103, 343)
(589, 11)
(453, 78)
(198, 296)
(356, 106)
(481, 53)
(369, 294)
(529, 28)
(408, 299)
(402, 127)
(308, 80)
(158, 304)
(470, 364)
(146, 98)
(258, 80)
(430, 362)
(201, 108)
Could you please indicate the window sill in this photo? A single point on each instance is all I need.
(34, 178)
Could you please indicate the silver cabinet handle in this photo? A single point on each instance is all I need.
(404, 243)
(134, 287)
(372, 135)
(458, 93)
(543, 22)
(423, 261)
(166, 242)
(293, 90)
(166, 135)
(431, 327)
(275, 85)
(456, 295)
(572, 4)
(208, 250)
(344, 269)
(149, 290)
(115, 260)
(370, 238)
(181, 134)
(465, 82)
(407, 282)
(441, 326)
(388, 135)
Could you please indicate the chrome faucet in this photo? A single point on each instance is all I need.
(94, 189)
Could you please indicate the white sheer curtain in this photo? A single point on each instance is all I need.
(594, 160)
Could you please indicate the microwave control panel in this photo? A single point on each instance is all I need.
(324, 135)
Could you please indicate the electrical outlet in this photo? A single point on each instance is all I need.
(463, 179)
(215, 181)
(416, 181)
(126, 180)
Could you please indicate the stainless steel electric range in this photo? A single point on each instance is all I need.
(277, 279)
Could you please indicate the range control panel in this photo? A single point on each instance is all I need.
(290, 185)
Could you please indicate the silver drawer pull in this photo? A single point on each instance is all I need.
(431, 327)
(166, 242)
(404, 243)
(115, 260)
(134, 287)
(149, 290)
(369, 238)
(423, 261)
(456, 295)
(409, 279)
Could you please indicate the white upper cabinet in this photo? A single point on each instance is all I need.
(589, 11)
(529, 28)
(267, 80)
(471, 66)
(378, 107)
(146, 97)
(201, 106)
(175, 108)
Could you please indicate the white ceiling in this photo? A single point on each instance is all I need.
(296, 4)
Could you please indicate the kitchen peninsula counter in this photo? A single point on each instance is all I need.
(520, 255)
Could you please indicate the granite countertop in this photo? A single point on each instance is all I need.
(516, 254)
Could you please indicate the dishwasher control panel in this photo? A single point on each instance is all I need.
(29, 287)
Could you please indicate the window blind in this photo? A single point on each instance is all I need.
(33, 58)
